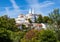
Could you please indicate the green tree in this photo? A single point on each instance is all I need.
(8, 30)
(45, 19)
(8, 23)
(40, 36)
(39, 19)
(47, 36)
(55, 16)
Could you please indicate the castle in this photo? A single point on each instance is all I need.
(23, 19)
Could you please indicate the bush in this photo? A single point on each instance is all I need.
(41, 36)
(47, 36)
(10, 36)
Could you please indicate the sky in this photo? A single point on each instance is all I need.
(13, 8)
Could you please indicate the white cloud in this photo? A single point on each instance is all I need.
(13, 13)
(15, 6)
(32, 4)
(35, 4)
(7, 10)
(46, 4)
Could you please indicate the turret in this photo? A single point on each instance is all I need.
(31, 11)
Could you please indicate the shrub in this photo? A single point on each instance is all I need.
(47, 36)
(40, 36)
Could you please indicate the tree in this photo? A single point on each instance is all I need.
(47, 36)
(39, 19)
(10, 36)
(45, 19)
(8, 23)
(40, 36)
(9, 31)
(55, 16)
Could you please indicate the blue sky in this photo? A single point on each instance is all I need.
(13, 8)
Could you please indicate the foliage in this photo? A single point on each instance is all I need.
(41, 36)
(55, 16)
(46, 19)
(39, 19)
(29, 20)
(47, 36)
(10, 33)
(8, 23)
(30, 34)
(8, 30)
(12, 36)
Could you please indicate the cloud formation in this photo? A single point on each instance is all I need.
(7, 10)
(16, 9)
(14, 4)
(13, 13)
(37, 6)
(46, 4)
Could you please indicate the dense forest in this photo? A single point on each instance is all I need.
(9, 32)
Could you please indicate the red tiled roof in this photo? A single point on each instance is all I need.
(39, 25)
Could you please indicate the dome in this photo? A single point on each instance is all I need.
(21, 15)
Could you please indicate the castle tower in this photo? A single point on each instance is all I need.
(31, 11)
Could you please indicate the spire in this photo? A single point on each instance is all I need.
(31, 11)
